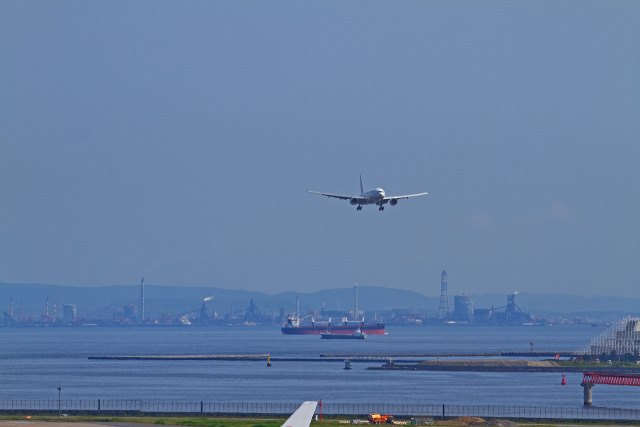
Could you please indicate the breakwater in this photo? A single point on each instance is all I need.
(391, 361)
(473, 368)
(239, 357)
(395, 362)
(565, 354)
(494, 365)
(324, 357)
(246, 358)
(415, 355)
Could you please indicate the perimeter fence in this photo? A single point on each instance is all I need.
(353, 410)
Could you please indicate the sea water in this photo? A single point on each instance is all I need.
(34, 362)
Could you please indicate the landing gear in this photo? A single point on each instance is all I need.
(359, 208)
(381, 208)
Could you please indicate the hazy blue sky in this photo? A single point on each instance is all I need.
(175, 140)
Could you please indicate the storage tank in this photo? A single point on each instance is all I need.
(463, 307)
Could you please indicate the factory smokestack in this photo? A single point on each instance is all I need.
(355, 302)
(142, 300)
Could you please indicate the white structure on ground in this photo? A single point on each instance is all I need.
(621, 338)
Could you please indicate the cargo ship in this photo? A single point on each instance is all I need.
(346, 327)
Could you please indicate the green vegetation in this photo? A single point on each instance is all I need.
(244, 422)
(220, 422)
(178, 420)
(595, 365)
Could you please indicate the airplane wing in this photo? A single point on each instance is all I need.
(302, 416)
(337, 196)
(404, 197)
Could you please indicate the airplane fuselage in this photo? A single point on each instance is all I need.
(371, 197)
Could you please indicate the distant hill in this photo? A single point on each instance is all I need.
(102, 302)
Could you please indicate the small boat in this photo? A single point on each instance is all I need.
(357, 335)
(347, 364)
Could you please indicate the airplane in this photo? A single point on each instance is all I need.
(302, 416)
(371, 197)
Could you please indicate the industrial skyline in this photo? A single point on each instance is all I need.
(119, 306)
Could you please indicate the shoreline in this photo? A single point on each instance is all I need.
(499, 366)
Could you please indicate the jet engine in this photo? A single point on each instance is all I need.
(353, 201)
(393, 202)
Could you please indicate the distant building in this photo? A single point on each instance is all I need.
(130, 312)
(204, 316)
(253, 311)
(463, 307)
(482, 315)
(512, 315)
(69, 313)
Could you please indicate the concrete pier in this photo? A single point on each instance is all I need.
(242, 358)
(587, 393)
(238, 357)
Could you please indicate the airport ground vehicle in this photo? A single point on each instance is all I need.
(379, 419)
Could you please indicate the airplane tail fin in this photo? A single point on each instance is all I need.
(361, 189)
(302, 416)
